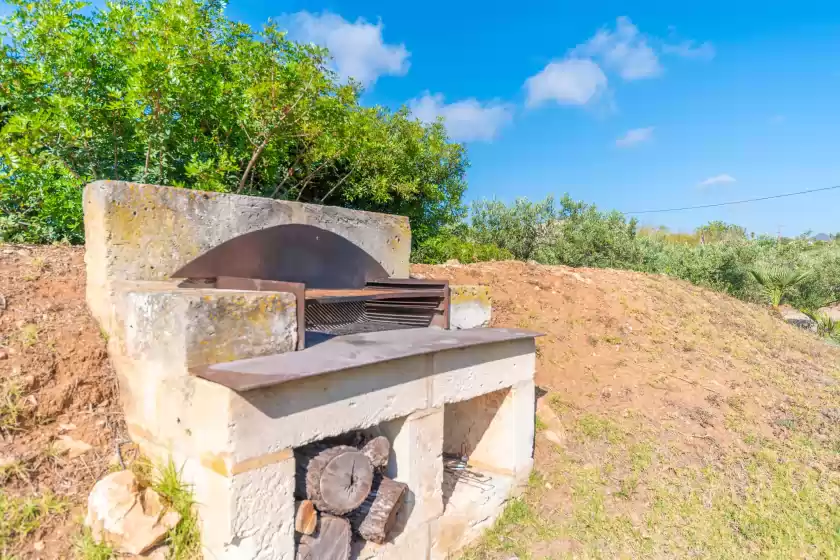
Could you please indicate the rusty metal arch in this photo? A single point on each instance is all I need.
(310, 255)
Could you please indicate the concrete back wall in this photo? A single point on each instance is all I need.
(146, 232)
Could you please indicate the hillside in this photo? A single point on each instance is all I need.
(56, 388)
(674, 422)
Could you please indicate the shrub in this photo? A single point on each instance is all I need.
(455, 244)
(175, 93)
(578, 234)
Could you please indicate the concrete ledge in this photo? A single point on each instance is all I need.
(467, 373)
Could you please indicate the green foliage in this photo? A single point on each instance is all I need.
(173, 92)
(777, 280)
(572, 233)
(21, 516)
(458, 244)
(184, 539)
(719, 256)
(88, 549)
(525, 228)
(826, 326)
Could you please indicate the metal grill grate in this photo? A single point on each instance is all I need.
(367, 316)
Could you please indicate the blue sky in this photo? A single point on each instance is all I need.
(657, 99)
(658, 105)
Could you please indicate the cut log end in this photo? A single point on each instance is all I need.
(336, 479)
(331, 542)
(306, 517)
(345, 483)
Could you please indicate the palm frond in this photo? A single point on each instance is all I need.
(776, 280)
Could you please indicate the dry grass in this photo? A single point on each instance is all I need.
(696, 426)
(19, 517)
(12, 406)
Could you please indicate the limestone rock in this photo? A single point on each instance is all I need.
(73, 447)
(797, 318)
(131, 521)
(554, 437)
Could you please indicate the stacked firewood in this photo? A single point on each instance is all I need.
(341, 491)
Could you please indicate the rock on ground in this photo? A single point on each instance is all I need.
(131, 520)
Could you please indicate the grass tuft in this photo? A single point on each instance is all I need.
(12, 407)
(184, 539)
(21, 516)
(596, 427)
(29, 335)
(88, 549)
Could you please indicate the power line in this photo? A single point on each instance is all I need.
(733, 202)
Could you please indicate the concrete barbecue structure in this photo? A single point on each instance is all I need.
(228, 365)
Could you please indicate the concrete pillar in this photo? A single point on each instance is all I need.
(417, 443)
(245, 502)
(469, 306)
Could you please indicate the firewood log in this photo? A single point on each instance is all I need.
(375, 518)
(330, 542)
(306, 517)
(336, 479)
(378, 450)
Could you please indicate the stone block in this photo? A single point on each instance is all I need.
(416, 460)
(469, 306)
(168, 330)
(245, 516)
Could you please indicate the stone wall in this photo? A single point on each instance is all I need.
(146, 232)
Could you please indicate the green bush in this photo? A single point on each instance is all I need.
(718, 256)
(175, 93)
(454, 244)
(41, 206)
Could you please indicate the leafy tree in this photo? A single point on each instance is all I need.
(172, 92)
(526, 229)
(717, 231)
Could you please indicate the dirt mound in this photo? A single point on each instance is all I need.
(676, 421)
(57, 390)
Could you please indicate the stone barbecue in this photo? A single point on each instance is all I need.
(257, 340)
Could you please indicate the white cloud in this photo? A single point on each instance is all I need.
(718, 180)
(580, 76)
(573, 81)
(466, 120)
(635, 136)
(624, 50)
(358, 49)
(690, 49)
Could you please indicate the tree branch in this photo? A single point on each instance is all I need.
(253, 160)
(289, 172)
(255, 156)
(308, 179)
(338, 184)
